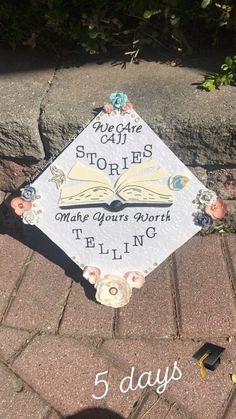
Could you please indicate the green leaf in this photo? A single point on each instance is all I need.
(224, 79)
(224, 67)
(223, 23)
(228, 61)
(229, 77)
(93, 34)
(209, 85)
(212, 87)
(205, 3)
(149, 13)
(103, 36)
(218, 80)
(174, 20)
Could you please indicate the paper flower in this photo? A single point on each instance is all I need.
(30, 217)
(117, 99)
(135, 279)
(206, 197)
(20, 206)
(28, 193)
(92, 274)
(127, 106)
(217, 209)
(113, 291)
(108, 108)
(203, 220)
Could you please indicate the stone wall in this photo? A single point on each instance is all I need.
(44, 102)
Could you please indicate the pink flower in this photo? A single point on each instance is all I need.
(217, 209)
(92, 274)
(108, 108)
(20, 206)
(127, 106)
(134, 279)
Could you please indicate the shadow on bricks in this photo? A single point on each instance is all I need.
(32, 237)
(95, 413)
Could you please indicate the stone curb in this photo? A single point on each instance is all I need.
(44, 106)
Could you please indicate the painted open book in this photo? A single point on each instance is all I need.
(140, 184)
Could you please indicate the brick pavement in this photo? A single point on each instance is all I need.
(54, 338)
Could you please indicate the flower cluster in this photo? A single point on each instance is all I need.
(22, 205)
(210, 208)
(112, 290)
(118, 101)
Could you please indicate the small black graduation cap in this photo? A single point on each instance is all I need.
(210, 355)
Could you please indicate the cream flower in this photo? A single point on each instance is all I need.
(135, 279)
(207, 196)
(92, 274)
(30, 217)
(113, 291)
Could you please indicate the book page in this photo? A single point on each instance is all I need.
(141, 183)
(85, 192)
(147, 171)
(81, 172)
(92, 185)
(146, 192)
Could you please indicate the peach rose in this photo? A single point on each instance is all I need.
(108, 108)
(127, 106)
(20, 206)
(92, 274)
(217, 209)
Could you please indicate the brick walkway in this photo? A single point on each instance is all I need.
(54, 338)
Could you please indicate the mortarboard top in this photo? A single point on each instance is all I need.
(116, 200)
(212, 360)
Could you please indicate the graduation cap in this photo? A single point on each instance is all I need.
(208, 356)
(97, 196)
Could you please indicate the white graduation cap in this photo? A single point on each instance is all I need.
(117, 201)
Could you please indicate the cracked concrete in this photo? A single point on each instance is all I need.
(66, 297)
(175, 295)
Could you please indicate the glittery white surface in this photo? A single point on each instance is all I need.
(169, 235)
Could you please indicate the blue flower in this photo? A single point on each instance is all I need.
(117, 99)
(28, 193)
(203, 220)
